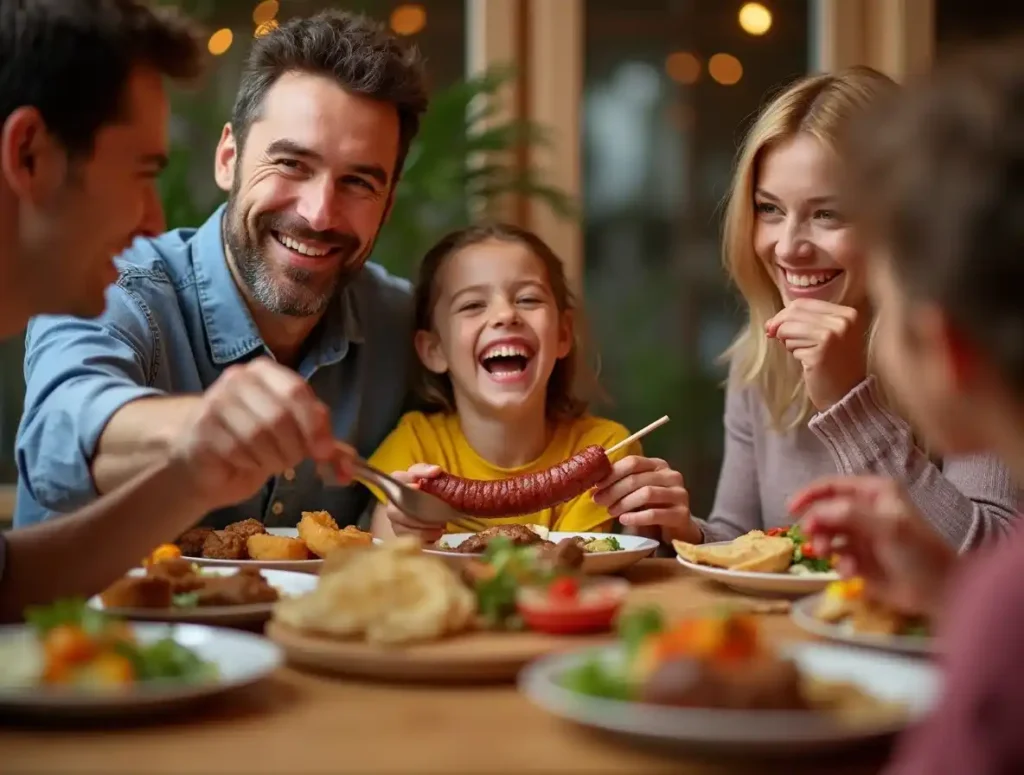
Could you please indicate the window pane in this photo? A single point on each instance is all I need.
(659, 135)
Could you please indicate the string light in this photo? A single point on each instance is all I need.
(408, 19)
(265, 12)
(683, 67)
(220, 41)
(725, 68)
(755, 19)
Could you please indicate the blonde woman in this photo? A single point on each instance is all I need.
(802, 400)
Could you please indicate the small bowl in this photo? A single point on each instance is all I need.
(593, 609)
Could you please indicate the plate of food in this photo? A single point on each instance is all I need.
(70, 661)
(712, 682)
(842, 613)
(777, 562)
(175, 589)
(396, 612)
(602, 552)
(250, 543)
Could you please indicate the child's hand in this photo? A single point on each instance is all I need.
(401, 522)
(903, 561)
(644, 492)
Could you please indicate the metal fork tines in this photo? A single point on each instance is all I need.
(420, 505)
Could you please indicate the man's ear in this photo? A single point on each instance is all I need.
(225, 159)
(566, 334)
(32, 163)
(428, 348)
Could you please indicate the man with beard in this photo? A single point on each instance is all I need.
(83, 134)
(321, 125)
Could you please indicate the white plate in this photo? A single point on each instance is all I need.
(802, 614)
(308, 566)
(912, 682)
(242, 658)
(287, 583)
(786, 584)
(634, 549)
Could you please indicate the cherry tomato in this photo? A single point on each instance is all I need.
(564, 588)
(807, 550)
(777, 531)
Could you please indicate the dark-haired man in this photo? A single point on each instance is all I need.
(325, 113)
(83, 116)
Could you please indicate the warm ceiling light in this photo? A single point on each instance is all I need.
(683, 67)
(266, 27)
(725, 68)
(755, 19)
(220, 41)
(265, 12)
(408, 19)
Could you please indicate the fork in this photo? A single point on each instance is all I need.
(420, 505)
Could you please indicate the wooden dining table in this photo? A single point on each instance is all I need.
(298, 722)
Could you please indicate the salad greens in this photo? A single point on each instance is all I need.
(598, 678)
(508, 568)
(803, 553)
(160, 659)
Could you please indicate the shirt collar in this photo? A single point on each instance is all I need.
(230, 329)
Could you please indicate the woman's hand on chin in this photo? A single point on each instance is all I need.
(645, 493)
(829, 341)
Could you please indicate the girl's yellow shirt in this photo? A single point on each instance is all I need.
(438, 439)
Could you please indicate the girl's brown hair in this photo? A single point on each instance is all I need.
(568, 389)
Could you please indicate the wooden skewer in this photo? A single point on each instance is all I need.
(638, 435)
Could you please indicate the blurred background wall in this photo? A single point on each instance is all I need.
(607, 126)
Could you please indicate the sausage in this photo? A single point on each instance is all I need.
(523, 494)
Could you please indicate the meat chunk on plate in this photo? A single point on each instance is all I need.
(225, 545)
(519, 535)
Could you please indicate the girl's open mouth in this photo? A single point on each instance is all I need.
(506, 362)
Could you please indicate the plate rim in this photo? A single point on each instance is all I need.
(900, 644)
(746, 575)
(536, 683)
(155, 693)
(200, 614)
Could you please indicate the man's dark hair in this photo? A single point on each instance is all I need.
(71, 60)
(937, 180)
(360, 54)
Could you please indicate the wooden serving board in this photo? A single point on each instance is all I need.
(469, 657)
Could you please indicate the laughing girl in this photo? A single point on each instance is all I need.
(501, 370)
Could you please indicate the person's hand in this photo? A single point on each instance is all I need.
(402, 523)
(829, 342)
(254, 422)
(880, 536)
(645, 492)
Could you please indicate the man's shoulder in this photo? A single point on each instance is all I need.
(375, 285)
(163, 259)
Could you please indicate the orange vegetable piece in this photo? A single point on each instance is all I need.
(162, 553)
(111, 668)
(68, 644)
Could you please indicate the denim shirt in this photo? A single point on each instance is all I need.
(174, 321)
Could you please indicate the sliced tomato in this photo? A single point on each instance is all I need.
(777, 531)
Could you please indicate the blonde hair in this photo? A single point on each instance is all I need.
(821, 106)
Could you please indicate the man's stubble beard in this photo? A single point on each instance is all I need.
(254, 270)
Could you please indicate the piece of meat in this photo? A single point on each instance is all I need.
(523, 494)
(191, 541)
(247, 527)
(239, 589)
(763, 683)
(223, 545)
(138, 592)
(519, 535)
(178, 572)
(567, 554)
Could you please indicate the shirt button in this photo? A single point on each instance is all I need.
(277, 508)
(289, 474)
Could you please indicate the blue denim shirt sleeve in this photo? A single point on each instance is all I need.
(78, 373)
